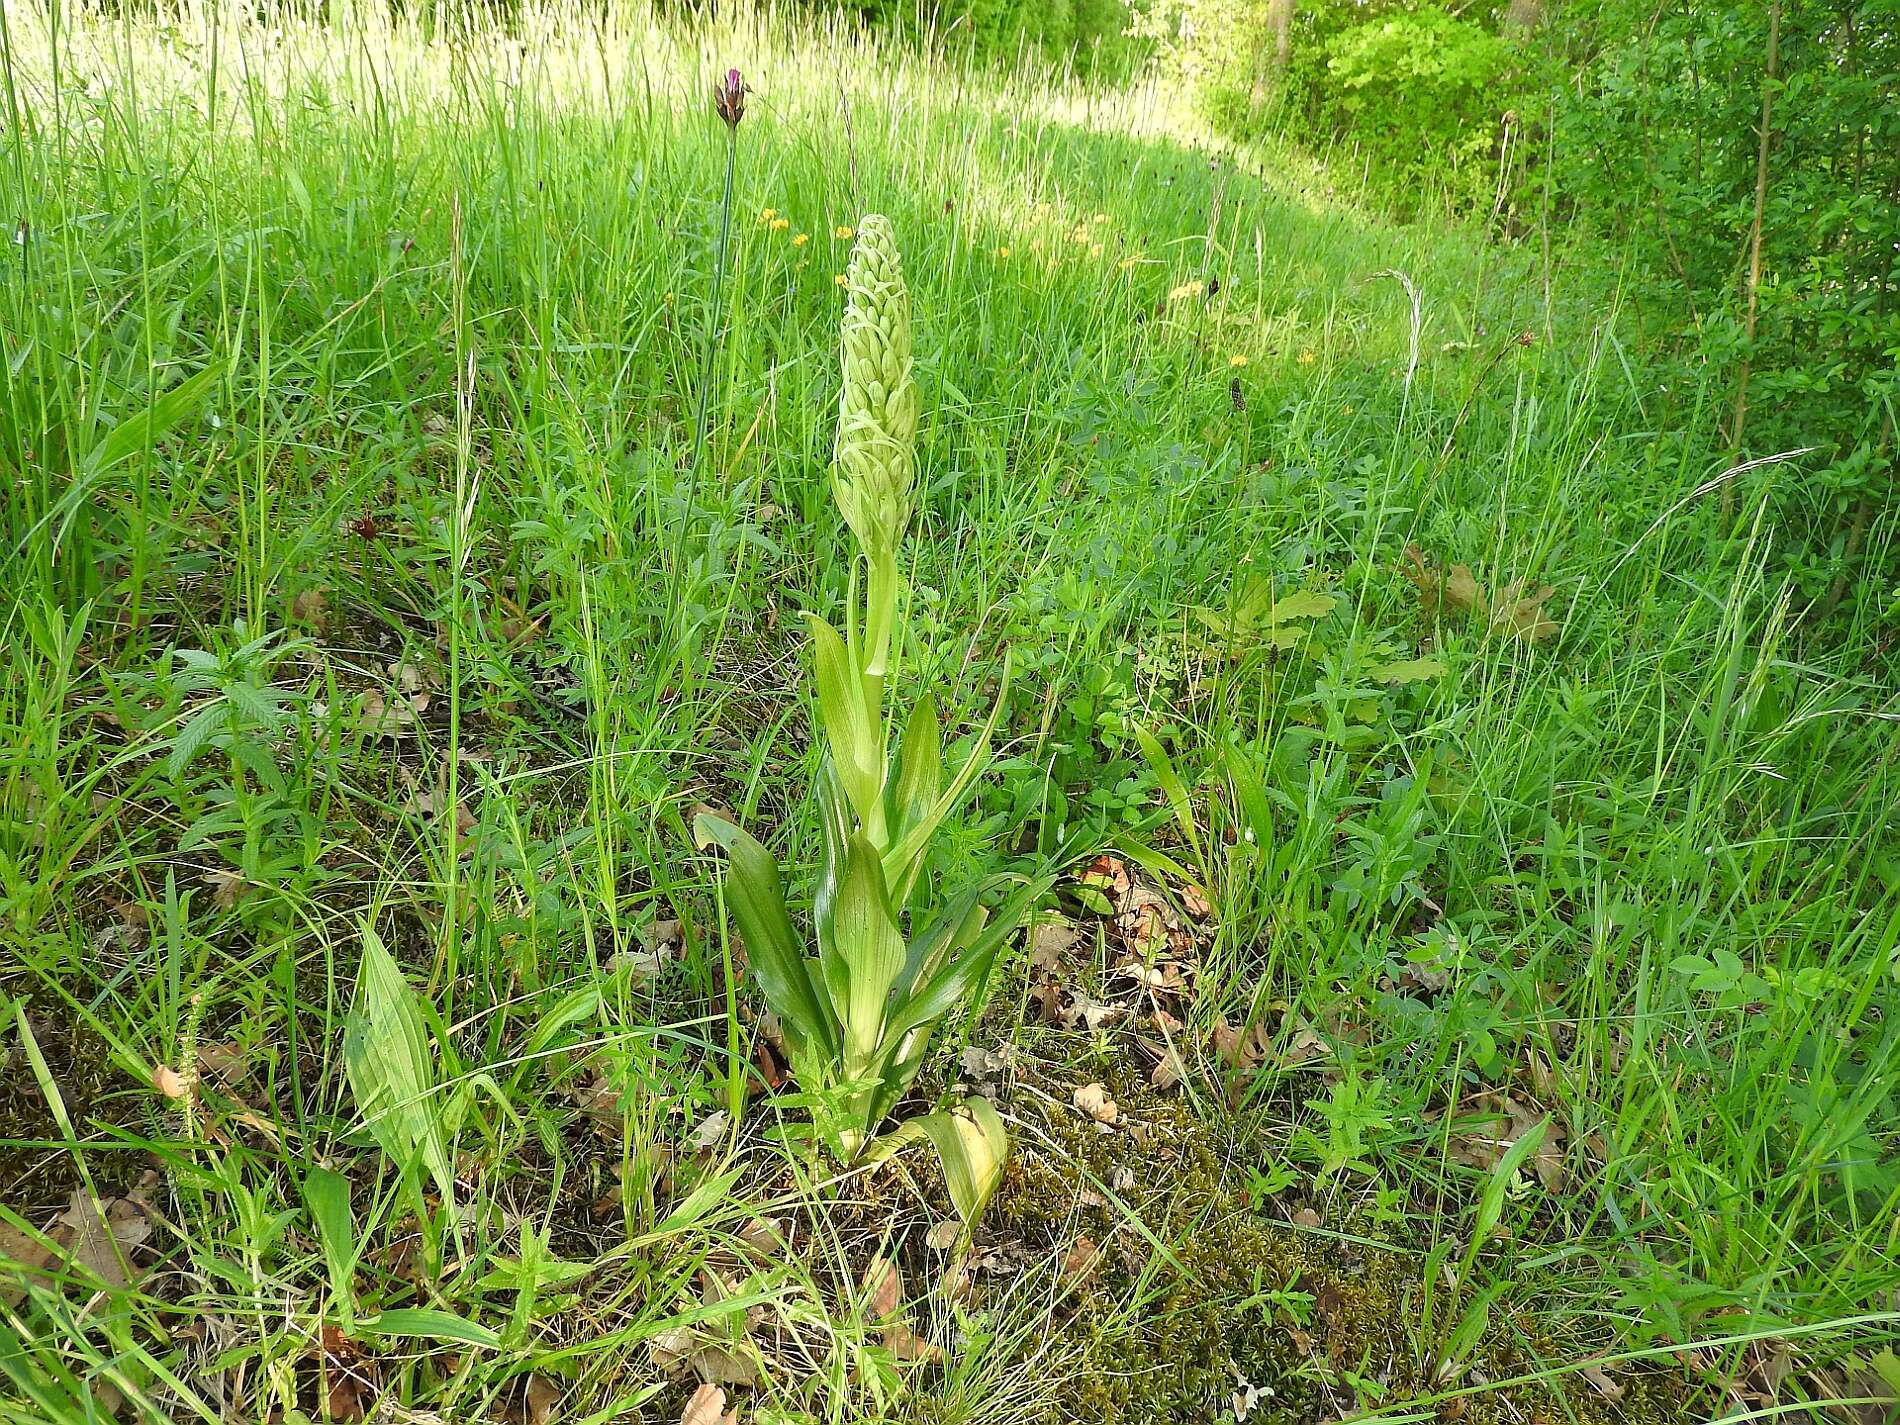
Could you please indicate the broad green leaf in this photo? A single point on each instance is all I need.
(856, 740)
(423, 1323)
(391, 1068)
(326, 1196)
(834, 819)
(570, 1009)
(865, 952)
(905, 859)
(1251, 798)
(1409, 670)
(699, 1202)
(1305, 604)
(919, 777)
(772, 950)
(1491, 1205)
(971, 1142)
(965, 974)
(954, 928)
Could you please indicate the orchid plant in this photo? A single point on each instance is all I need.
(858, 1014)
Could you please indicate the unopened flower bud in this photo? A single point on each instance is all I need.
(729, 98)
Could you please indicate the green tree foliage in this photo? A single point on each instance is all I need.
(1422, 90)
(1766, 252)
(1090, 34)
(1658, 139)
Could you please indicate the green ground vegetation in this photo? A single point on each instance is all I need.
(1468, 985)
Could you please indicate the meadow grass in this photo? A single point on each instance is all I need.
(360, 573)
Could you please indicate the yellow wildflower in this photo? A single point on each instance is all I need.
(779, 225)
(1095, 249)
(1002, 252)
(1236, 360)
(839, 279)
(1187, 289)
(1306, 357)
(843, 231)
(801, 239)
(768, 214)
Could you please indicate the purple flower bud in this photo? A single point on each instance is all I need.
(729, 98)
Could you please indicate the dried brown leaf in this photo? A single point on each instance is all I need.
(883, 1289)
(707, 1406)
(103, 1237)
(22, 1257)
(169, 1082)
(308, 606)
(907, 1345)
(1082, 1261)
(1093, 1101)
(1049, 941)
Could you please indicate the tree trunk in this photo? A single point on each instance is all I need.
(1771, 72)
(1280, 27)
(1522, 17)
(1271, 58)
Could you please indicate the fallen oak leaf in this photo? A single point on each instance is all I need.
(1049, 941)
(1082, 1260)
(1241, 1050)
(543, 1395)
(104, 1235)
(1603, 1383)
(1093, 1101)
(1523, 614)
(27, 1255)
(169, 1082)
(707, 1406)
(883, 1289)
(906, 1345)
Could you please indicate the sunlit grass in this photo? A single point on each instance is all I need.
(363, 359)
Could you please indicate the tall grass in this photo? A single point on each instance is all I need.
(351, 370)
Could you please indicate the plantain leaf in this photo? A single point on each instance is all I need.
(772, 950)
(1491, 1204)
(1173, 788)
(141, 428)
(326, 1195)
(428, 1324)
